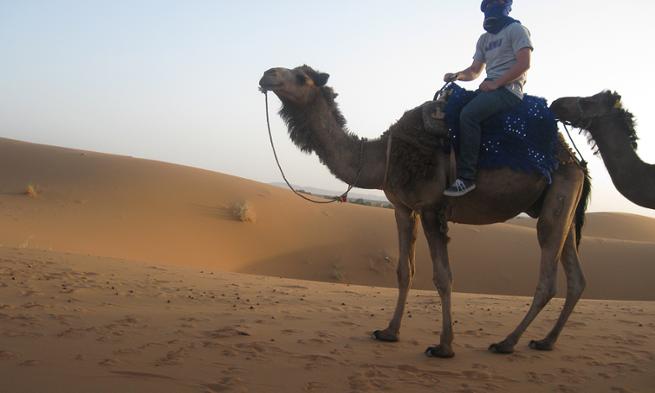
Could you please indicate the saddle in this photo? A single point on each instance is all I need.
(523, 139)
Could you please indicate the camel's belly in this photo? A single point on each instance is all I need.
(500, 195)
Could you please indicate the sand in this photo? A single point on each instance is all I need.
(122, 274)
(73, 323)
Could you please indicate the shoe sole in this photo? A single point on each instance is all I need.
(459, 193)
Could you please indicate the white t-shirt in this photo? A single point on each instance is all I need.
(498, 52)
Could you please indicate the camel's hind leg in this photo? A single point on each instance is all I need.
(552, 230)
(575, 284)
(406, 222)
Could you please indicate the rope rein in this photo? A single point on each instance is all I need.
(582, 161)
(341, 198)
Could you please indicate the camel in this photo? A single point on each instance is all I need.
(611, 129)
(413, 179)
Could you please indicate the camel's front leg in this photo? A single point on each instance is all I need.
(406, 221)
(436, 231)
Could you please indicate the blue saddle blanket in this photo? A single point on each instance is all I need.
(523, 138)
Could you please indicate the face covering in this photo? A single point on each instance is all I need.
(496, 15)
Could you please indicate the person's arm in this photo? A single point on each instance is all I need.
(469, 74)
(522, 65)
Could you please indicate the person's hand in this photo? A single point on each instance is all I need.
(489, 86)
(450, 77)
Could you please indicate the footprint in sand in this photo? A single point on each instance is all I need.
(226, 332)
(316, 361)
(172, 358)
(312, 386)
(617, 389)
(477, 375)
(141, 375)
(72, 333)
(108, 362)
(363, 383)
(127, 351)
(227, 384)
(7, 355)
(29, 363)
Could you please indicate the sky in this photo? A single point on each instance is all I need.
(176, 81)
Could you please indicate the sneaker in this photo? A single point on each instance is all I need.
(459, 187)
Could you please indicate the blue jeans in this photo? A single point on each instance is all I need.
(483, 106)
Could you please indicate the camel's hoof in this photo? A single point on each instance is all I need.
(439, 352)
(541, 345)
(382, 335)
(502, 347)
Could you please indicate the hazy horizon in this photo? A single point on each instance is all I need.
(177, 82)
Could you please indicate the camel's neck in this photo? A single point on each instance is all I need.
(631, 176)
(320, 128)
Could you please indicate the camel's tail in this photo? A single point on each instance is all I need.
(582, 206)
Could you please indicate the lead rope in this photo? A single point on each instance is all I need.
(582, 161)
(342, 198)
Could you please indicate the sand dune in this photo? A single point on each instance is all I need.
(619, 226)
(115, 206)
(71, 323)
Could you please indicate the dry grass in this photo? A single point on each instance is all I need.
(245, 212)
(31, 191)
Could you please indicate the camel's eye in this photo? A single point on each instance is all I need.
(301, 79)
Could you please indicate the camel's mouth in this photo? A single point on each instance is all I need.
(268, 86)
(268, 82)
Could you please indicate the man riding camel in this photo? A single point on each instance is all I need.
(505, 50)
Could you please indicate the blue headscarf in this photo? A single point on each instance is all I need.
(496, 15)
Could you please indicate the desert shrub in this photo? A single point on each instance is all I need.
(245, 212)
(31, 191)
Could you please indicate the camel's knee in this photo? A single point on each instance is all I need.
(545, 293)
(575, 279)
(577, 285)
(443, 284)
(405, 273)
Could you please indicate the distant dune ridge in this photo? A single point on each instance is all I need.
(120, 274)
(128, 208)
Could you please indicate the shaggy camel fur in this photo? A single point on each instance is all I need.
(415, 181)
(611, 128)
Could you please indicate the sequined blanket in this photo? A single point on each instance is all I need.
(522, 139)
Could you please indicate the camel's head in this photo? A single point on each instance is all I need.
(580, 111)
(599, 114)
(298, 86)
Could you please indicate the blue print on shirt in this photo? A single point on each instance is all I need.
(493, 45)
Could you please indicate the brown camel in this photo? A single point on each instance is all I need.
(414, 179)
(611, 129)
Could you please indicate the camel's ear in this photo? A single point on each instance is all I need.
(618, 104)
(321, 79)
